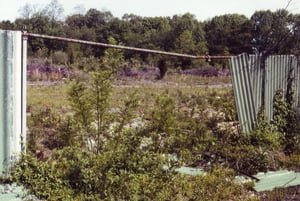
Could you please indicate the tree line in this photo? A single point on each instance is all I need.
(265, 31)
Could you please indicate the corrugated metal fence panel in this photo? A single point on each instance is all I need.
(295, 67)
(10, 96)
(296, 64)
(256, 77)
(277, 74)
(247, 76)
(242, 86)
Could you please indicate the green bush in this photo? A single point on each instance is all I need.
(216, 186)
(60, 58)
(121, 174)
(285, 119)
(95, 153)
(41, 179)
(124, 163)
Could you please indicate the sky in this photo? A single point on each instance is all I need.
(202, 9)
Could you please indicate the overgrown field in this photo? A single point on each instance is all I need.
(95, 137)
(197, 124)
(54, 94)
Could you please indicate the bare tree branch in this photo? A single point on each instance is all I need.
(288, 4)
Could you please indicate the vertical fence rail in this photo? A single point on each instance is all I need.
(24, 91)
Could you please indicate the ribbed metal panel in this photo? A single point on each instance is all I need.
(279, 70)
(296, 65)
(242, 86)
(256, 77)
(11, 104)
(295, 77)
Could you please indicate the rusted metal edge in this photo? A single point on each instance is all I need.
(25, 34)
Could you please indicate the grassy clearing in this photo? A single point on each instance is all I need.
(197, 80)
(55, 95)
(175, 80)
(192, 128)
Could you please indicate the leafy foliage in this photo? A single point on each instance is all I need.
(265, 32)
(101, 151)
(97, 153)
(41, 179)
(285, 119)
(138, 160)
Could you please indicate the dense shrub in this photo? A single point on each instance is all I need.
(95, 153)
(41, 179)
(39, 70)
(59, 58)
(129, 163)
(204, 71)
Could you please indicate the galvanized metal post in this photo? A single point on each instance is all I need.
(12, 118)
(5, 127)
(24, 90)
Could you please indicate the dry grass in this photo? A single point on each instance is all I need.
(54, 94)
(47, 95)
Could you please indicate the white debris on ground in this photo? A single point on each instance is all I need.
(13, 192)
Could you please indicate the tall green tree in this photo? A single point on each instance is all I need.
(75, 21)
(7, 25)
(271, 31)
(185, 42)
(187, 36)
(228, 34)
(294, 39)
(96, 18)
(90, 100)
